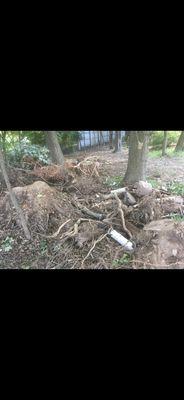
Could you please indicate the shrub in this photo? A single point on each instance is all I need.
(156, 138)
(24, 148)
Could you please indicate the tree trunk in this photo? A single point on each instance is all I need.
(13, 197)
(180, 144)
(54, 148)
(138, 151)
(164, 144)
(111, 139)
(101, 138)
(118, 142)
(127, 135)
(3, 139)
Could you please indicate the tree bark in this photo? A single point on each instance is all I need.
(118, 142)
(13, 197)
(138, 151)
(180, 144)
(101, 138)
(111, 139)
(3, 139)
(54, 148)
(164, 144)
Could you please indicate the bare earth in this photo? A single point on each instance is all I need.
(166, 168)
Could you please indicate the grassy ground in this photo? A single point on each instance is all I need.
(170, 152)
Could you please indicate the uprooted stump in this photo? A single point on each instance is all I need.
(68, 172)
(53, 173)
(40, 203)
(161, 245)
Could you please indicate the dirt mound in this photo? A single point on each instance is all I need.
(40, 204)
(161, 245)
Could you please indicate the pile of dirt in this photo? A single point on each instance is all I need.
(41, 204)
(73, 223)
(160, 245)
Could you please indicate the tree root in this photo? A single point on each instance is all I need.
(122, 216)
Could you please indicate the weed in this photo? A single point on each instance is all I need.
(122, 261)
(113, 181)
(7, 244)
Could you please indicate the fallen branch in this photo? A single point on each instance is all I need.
(92, 214)
(114, 192)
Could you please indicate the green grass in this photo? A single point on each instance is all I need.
(113, 181)
(170, 152)
(155, 184)
(176, 188)
(122, 261)
(177, 218)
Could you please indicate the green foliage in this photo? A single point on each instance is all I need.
(43, 247)
(24, 148)
(156, 139)
(113, 181)
(6, 245)
(122, 261)
(170, 152)
(177, 218)
(68, 140)
(155, 184)
(15, 144)
(176, 188)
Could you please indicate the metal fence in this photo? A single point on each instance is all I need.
(90, 139)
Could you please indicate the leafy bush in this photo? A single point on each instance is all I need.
(156, 139)
(24, 148)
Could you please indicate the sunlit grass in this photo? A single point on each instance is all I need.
(170, 152)
(176, 188)
(155, 184)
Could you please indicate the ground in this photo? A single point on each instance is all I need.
(85, 244)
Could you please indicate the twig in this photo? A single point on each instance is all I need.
(74, 231)
(58, 231)
(95, 243)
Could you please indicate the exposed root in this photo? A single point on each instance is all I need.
(58, 231)
(122, 216)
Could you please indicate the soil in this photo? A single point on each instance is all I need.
(64, 236)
